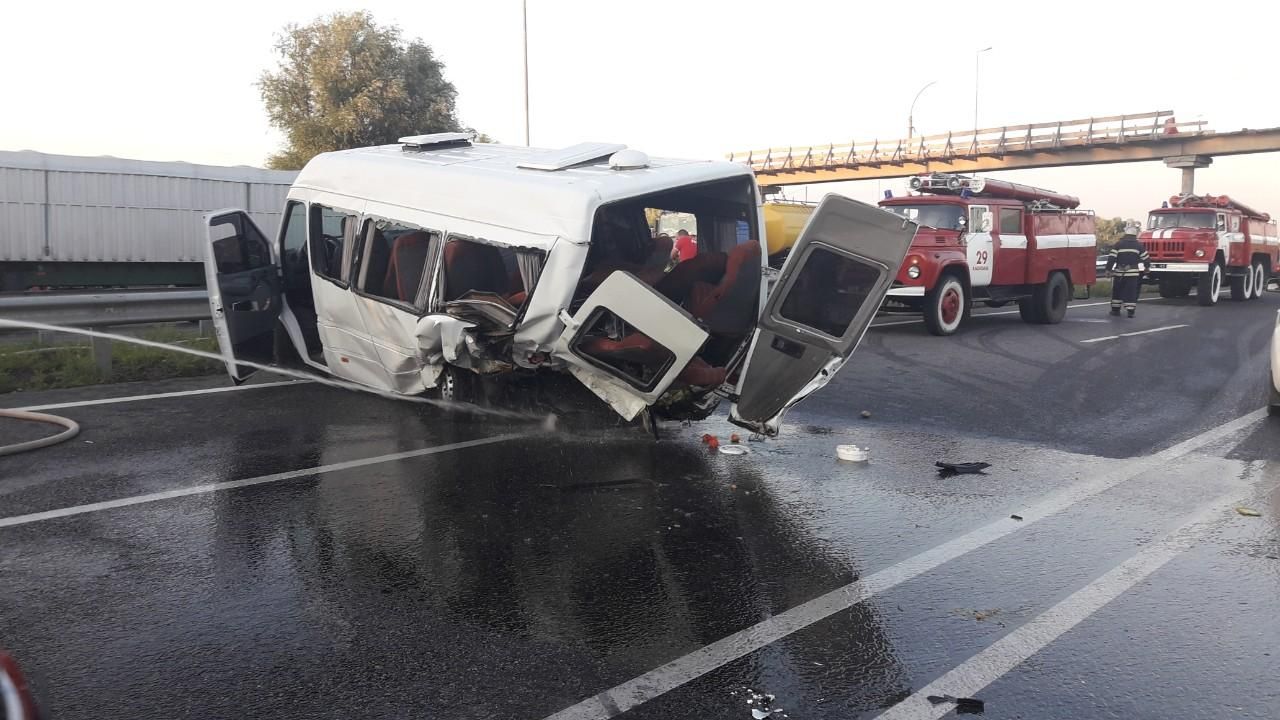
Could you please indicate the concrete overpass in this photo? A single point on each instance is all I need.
(1088, 141)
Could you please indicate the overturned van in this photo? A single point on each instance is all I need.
(432, 264)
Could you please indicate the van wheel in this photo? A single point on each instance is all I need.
(455, 385)
(1259, 279)
(1273, 404)
(1050, 299)
(1242, 284)
(1209, 286)
(945, 306)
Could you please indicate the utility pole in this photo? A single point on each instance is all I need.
(976, 68)
(524, 12)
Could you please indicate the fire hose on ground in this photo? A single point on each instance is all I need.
(72, 428)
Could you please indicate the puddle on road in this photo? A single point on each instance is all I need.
(547, 419)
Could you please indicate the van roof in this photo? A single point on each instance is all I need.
(484, 182)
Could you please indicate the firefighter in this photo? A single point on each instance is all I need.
(1126, 263)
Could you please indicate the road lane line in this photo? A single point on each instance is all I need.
(158, 396)
(663, 679)
(261, 480)
(984, 668)
(1131, 334)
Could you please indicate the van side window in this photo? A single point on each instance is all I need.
(474, 269)
(293, 235)
(395, 259)
(1010, 221)
(331, 233)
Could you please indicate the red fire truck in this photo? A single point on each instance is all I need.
(1202, 241)
(991, 241)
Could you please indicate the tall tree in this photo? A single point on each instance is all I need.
(345, 81)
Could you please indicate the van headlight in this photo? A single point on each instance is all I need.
(913, 272)
(1200, 252)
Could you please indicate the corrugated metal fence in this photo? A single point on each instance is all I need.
(59, 208)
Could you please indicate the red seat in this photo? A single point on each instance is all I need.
(729, 306)
(472, 266)
(407, 266)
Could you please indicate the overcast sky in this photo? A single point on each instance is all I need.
(166, 81)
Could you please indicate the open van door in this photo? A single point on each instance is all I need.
(627, 343)
(244, 290)
(827, 293)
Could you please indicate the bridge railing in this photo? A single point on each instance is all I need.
(996, 141)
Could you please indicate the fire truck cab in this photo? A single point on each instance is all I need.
(991, 241)
(1202, 241)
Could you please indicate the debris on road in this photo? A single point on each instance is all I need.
(964, 706)
(711, 441)
(734, 450)
(852, 453)
(1248, 512)
(1016, 517)
(735, 438)
(947, 469)
(761, 704)
(866, 413)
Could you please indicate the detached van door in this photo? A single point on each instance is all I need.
(834, 281)
(627, 343)
(244, 290)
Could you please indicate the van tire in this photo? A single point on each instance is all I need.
(1209, 286)
(945, 306)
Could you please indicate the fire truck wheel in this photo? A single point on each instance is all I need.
(1259, 279)
(1027, 310)
(1050, 299)
(1242, 284)
(945, 306)
(1209, 286)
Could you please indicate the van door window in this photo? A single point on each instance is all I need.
(828, 291)
(394, 262)
(332, 231)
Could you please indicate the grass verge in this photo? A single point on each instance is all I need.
(29, 366)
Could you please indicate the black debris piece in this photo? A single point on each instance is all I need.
(947, 469)
(1016, 517)
(964, 706)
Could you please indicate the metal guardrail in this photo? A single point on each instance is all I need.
(1114, 130)
(106, 308)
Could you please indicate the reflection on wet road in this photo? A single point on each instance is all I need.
(297, 551)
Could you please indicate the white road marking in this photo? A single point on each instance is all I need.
(158, 396)
(1003, 312)
(1013, 649)
(1131, 334)
(261, 480)
(679, 671)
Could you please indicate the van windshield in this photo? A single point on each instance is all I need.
(942, 217)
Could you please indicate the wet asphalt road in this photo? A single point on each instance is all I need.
(444, 565)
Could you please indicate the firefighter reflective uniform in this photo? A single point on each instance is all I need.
(1126, 264)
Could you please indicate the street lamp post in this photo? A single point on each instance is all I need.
(524, 12)
(976, 68)
(911, 126)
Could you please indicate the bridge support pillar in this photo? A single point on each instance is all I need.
(1188, 165)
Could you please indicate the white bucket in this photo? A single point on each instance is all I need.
(852, 453)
